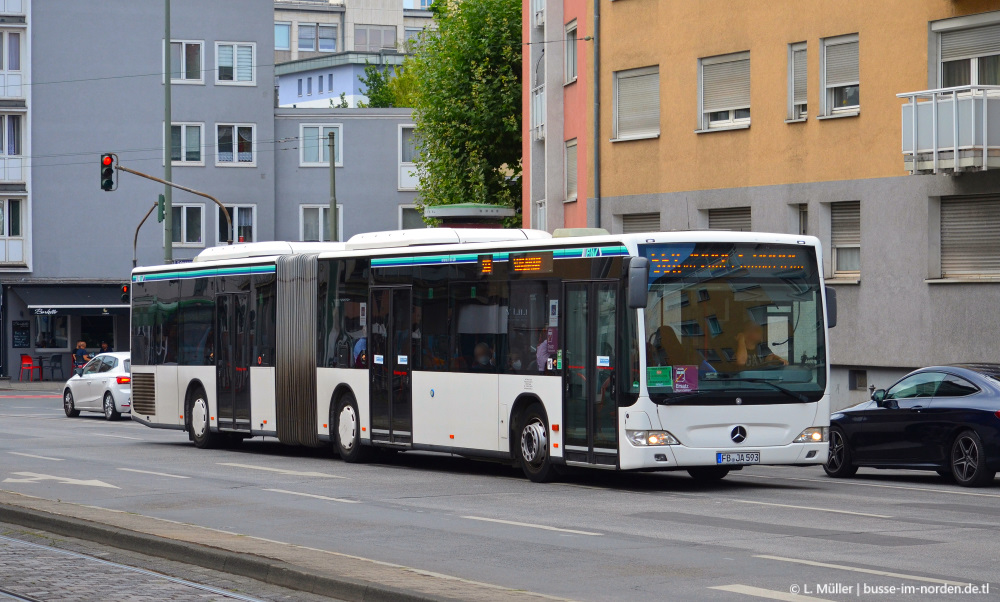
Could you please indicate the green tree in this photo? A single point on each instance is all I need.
(403, 85)
(376, 81)
(343, 104)
(467, 75)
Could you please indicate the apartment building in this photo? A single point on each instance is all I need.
(874, 126)
(66, 247)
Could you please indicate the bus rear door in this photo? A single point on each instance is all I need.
(389, 348)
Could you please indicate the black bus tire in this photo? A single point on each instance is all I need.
(532, 446)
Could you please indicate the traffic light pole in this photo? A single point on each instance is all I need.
(170, 185)
(135, 241)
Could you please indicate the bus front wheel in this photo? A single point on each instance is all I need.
(533, 446)
(708, 473)
(348, 431)
(201, 431)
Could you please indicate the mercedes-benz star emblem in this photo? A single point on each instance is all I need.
(738, 434)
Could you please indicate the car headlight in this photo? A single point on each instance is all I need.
(645, 438)
(813, 434)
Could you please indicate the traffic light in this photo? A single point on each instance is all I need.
(161, 205)
(107, 172)
(125, 297)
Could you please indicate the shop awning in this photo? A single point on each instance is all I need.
(75, 300)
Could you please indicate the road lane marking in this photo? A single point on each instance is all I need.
(117, 436)
(858, 569)
(34, 456)
(297, 473)
(770, 594)
(841, 482)
(159, 474)
(34, 477)
(531, 526)
(814, 508)
(313, 495)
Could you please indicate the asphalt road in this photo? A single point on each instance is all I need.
(764, 532)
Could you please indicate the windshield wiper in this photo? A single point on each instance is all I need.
(670, 400)
(793, 394)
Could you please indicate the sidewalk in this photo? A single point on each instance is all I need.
(48, 386)
(287, 565)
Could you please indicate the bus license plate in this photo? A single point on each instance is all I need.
(751, 457)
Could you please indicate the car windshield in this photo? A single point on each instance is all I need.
(728, 320)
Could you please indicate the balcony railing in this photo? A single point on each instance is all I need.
(538, 113)
(538, 12)
(11, 169)
(951, 130)
(11, 7)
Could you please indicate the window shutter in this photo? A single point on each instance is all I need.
(969, 241)
(726, 85)
(729, 218)
(799, 76)
(842, 64)
(244, 63)
(640, 222)
(638, 108)
(571, 170)
(845, 224)
(969, 43)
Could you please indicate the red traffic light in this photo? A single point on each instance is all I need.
(124, 289)
(107, 160)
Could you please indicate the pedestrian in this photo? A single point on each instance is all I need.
(105, 348)
(80, 355)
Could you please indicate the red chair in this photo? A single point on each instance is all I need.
(28, 363)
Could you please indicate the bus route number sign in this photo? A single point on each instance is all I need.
(536, 263)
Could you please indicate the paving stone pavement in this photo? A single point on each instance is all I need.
(58, 572)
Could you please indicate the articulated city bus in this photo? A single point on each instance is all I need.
(703, 351)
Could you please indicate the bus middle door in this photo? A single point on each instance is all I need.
(389, 347)
(232, 361)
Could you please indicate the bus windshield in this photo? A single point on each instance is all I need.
(734, 323)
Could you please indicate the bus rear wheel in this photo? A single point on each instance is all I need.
(201, 431)
(348, 431)
(533, 446)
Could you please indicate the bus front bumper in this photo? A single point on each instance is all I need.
(668, 457)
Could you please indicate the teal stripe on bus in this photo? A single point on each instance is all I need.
(205, 273)
(386, 262)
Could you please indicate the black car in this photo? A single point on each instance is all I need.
(942, 418)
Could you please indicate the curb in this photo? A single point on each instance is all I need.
(259, 568)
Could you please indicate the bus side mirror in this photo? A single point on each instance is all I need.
(638, 282)
(831, 307)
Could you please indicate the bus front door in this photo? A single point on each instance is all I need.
(590, 415)
(232, 361)
(389, 348)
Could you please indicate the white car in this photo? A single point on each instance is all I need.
(103, 385)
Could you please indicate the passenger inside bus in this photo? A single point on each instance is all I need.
(752, 351)
(483, 358)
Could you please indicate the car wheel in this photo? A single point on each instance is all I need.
(968, 461)
(110, 411)
(69, 406)
(201, 432)
(708, 473)
(348, 431)
(839, 463)
(533, 447)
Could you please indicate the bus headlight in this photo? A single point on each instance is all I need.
(645, 438)
(813, 434)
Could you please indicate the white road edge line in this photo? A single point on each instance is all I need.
(117, 436)
(814, 508)
(770, 594)
(531, 526)
(282, 471)
(858, 569)
(842, 482)
(34, 456)
(159, 474)
(313, 495)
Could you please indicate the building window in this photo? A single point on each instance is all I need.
(736, 219)
(244, 219)
(307, 37)
(803, 213)
(372, 38)
(409, 152)
(10, 218)
(188, 225)
(186, 143)
(315, 148)
(841, 81)
(186, 62)
(571, 170)
(970, 57)
(11, 136)
(797, 78)
(845, 237)
(410, 218)
(571, 51)
(857, 380)
(725, 91)
(309, 86)
(637, 103)
(235, 63)
(969, 242)
(52, 332)
(282, 36)
(538, 112)
(329, 82)
(411, 37)
(300, 86)
(327, 38)
(314, 224)
(637, 223)
(235, 144)
(10, 64)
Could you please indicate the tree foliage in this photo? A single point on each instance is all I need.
(377, 89)
(467, 75)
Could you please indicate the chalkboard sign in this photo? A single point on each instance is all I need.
(21, 333)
